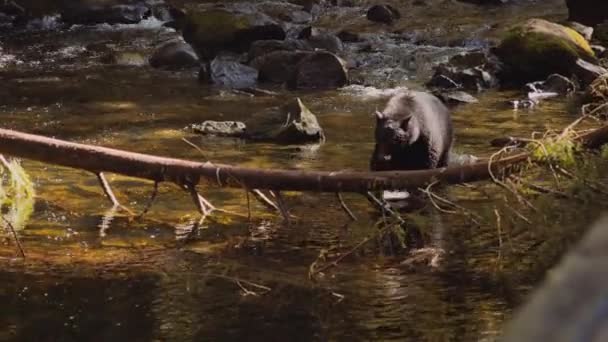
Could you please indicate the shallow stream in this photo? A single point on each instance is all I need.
(92, 273)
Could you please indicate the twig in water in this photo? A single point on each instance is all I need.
(498, 228)
(194, 146)
(239, 281)
(544, 190)
(569, 128)
(5, 162)
(427, 191)
(466, 212)
(383, 206)
(502, 184)
(345, 207)
(248, 204)
(312, 271)
(107, 190)
(150, 201)
(499, 232)
(199, 201)
(260, 196)
(282, 206)
(14, 232)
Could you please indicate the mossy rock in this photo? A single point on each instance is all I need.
(539, 48)
(213, 30)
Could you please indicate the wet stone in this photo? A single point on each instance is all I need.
(386, 14)
(229, 73)
(319, 70)
(174, 55)
(220, 128)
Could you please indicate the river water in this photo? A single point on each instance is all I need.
(94, 273)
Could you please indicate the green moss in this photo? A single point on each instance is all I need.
(538, 48)
(16, 194)
(215, 26)
(560, 151)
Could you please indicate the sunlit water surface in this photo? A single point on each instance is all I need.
(92, 273)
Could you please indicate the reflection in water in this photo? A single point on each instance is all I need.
(106, 220)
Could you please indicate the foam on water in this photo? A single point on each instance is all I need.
(366, 93)
(150, 23)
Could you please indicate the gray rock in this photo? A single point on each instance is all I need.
(229, 73)
(235, 129)
(174, 55)
(455, 97)
(587, 72)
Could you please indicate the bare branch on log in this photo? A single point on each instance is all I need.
(345, 207)
(383, 206)
(260, 196)
(107, 189)
(150, 201)
(282, 205)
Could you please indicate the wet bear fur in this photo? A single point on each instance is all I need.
(413, 132)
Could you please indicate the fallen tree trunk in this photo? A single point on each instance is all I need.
(183, 172)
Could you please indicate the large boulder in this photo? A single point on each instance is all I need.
(264, 47)
(319, 70)
(538, 48)
(213, 30)
(588, 12)
(278, 66)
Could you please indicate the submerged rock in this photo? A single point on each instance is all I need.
(292, 124)
(539, 48)
(455, 97)
(234, 129)
(587, 12)
(214, 30)
(174, 55)
(125, 58)
(386, 14)
(319, 70)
